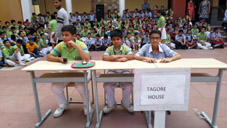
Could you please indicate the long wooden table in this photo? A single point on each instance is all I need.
(199, 63)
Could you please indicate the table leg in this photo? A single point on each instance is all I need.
(148, 118)
(98, 114)
(87, 101)
(36, 98)
(217, 95)
(159, 119)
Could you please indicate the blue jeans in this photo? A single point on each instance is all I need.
(36, 51)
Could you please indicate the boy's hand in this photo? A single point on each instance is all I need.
(123, 59)
(165, 60)
(71, 43)
(114, 57)
(60, 59)
(150, 60)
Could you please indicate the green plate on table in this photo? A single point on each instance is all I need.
(82, 65)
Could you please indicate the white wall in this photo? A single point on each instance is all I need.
(26, 6)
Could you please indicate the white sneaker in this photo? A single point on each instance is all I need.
(59, 111)
(32, 58)
(22, 64)
(90, 110)
(128, 108)
(108, 109)
(210, 48)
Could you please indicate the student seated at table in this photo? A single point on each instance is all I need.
(120, 53)
(12, 55)
(156, 51)
(72, 50)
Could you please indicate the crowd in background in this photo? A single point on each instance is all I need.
(32, 39)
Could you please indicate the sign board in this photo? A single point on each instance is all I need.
(161, 89)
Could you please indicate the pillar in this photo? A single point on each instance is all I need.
(26, 6)
(68, 4)
(121, 6)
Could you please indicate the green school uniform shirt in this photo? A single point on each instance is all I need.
(48, 19)
(167, 40)
(124, 50)
(73, 54)
(42, 43)
(21, 50)
(1, 45)
(7, 52)
(84, 34)
(195, 31)
(53, 25)
(161, 21)
(201, 36)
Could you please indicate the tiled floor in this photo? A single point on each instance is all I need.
(17, 109)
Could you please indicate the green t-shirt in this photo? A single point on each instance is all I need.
(195, 31)
(136, 40)
(167, 40)
(21, 50)
(53, 25)
(201, 36)
(161, 21)
(33, 19)
(42, 43)
(1, 45)
(62, 50)
(87, 25)
(124, 50)
(84, 34)
(7, 52)
(48, 19)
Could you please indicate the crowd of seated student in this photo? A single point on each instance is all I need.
(181, 33)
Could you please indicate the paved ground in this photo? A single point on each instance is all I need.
(18, 110)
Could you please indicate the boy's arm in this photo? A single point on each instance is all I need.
(167, 60)
(84, 55)
(53, 58)
(146, 59)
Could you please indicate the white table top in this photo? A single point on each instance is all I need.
(198, 63)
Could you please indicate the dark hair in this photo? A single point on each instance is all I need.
(5, 41)
(19, 22)
(136, 33)
(19, 41)
(1, 33)
(155, 32)
(162, 12)
(69, 28)
(181, 31)
(4, 27)
(13, 28)
(203, 28)
(97, 35)
(116, 33)
(13, 37)
(105, 35)
(215, 29)
(12, 21)
(52, 16)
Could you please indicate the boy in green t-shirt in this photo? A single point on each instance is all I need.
(12, 55)
(52, 28)
(44, 48)
(72, 50)
(120, 53)
(202, 40)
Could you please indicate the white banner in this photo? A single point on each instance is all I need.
(162, 89)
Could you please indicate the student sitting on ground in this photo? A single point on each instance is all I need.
(137, 41)
(72, 50)
(180, 40)
(120, 53)
(216, 40)
(33, 49)
(88, 41)
(11, 55)
(43, 47)
(129, 40)
(190, 43)
(106, 42)
(156, 51)
(25, 57)
(202, 40)
(97, 43)
(168, 40)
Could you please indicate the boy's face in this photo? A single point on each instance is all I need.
(155, 39)
(116, 41)
(180, 33)
(7, 44)
(97, 37)
(2, 36)
(67, 36)
(31, 42)
(89, 35)
(43, 37)
(57, 4)
(19, 45)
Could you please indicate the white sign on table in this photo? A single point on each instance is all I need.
(161, 89)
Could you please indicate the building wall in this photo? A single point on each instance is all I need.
(132, 4)
(10, 10)
(81, 6)
(48, 6)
